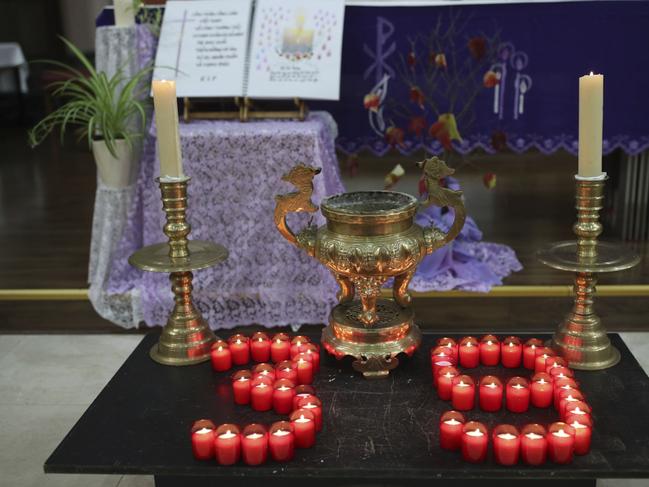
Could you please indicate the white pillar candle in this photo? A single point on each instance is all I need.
(124, 13)
(591, 113)
(166, 120)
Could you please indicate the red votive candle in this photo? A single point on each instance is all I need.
(529, 352)
(442, 353)
(254, 444)
(511, 352)
(583, 432)
(561, 442)
(560, 372)
(241, 381)
(301, 391)
(469, 352)
(463, 393)
(203, 439)
(283, 394)
(313, 352)
(534, 446)
(240, 348)
(445, 377)
(517, 395)
(452, 345)
(296, 345)
(303, 422)
(451, 425)
(541, 390)
(489, 350)
(280, 348)
(227, 444)
(261, 394)
(560, 385)
(260, 347)
(437, 366)
(568, 396)
(281, 441)
(553, 362)
(474, 442)
(286, 370)
(507, 444)
(304, 368)
(542, 354)
(264, 370)
(221, 356)
(577, 409)
(313, 404)
(491, 393)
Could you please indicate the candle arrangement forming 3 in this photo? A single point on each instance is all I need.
(370, 237)
(283, 387)
(552, 384)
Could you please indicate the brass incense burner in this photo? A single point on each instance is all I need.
(370, 237)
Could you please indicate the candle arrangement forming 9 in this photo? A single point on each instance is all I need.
(283, 386)
(551, 385)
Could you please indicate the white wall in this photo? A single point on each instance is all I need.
(78, 17)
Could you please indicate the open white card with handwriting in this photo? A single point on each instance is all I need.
(294, 50)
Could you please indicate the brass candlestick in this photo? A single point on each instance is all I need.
(186, 338)
(581, 339)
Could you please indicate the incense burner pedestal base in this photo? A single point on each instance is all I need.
(374, 348)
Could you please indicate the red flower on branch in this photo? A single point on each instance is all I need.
(417, 125)
(489, 180)
(499, 140)
(490, 79)
(440, 132)
(417, 96)
(411, 59)
(477, 47)
(394, 136)
(440, 61)
(371, 101)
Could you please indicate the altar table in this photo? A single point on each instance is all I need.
(379, 432)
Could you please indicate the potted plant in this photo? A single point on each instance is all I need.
(108, 112)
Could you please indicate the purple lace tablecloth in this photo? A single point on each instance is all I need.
(236, 171)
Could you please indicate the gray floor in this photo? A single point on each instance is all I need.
(46, 382)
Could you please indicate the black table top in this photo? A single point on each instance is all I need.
(382, 429)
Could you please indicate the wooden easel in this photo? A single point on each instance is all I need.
(243, 108)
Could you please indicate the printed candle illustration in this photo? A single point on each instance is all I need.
(297, 39)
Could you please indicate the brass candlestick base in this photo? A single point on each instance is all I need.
(375, 349)
(581, 339)
(186, 338)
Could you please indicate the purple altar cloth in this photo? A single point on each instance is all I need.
(236, 171)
